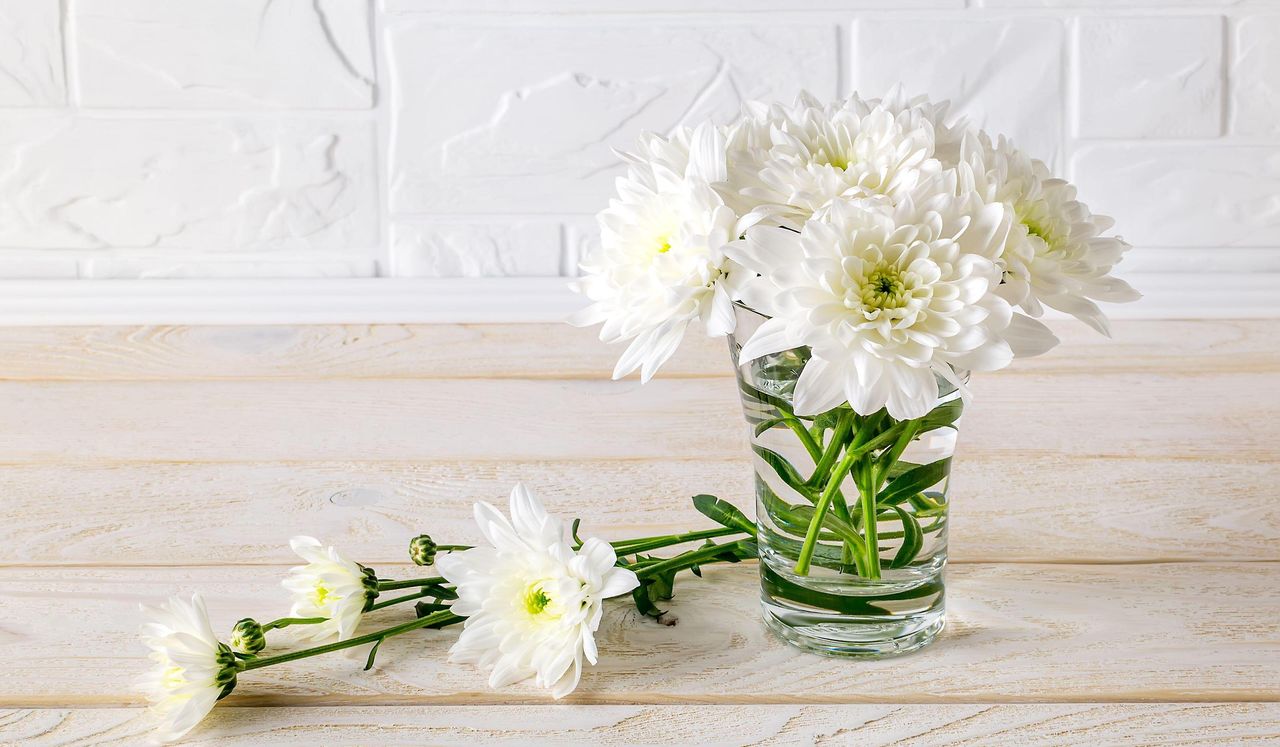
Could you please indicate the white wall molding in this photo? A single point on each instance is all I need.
(467, 300)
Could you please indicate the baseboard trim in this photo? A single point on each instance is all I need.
(474, 300)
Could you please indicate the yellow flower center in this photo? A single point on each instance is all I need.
(664, 245)
(321, 595)
(536, 599)
(883, 288)
(173, 677)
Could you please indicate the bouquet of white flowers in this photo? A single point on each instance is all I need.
(863, 257)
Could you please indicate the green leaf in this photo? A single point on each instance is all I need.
(943, 415)
(640, 595)
(833, 524)
(784, 470)
(767, 424)
(913, 481)
(778, 586)
(912, 539)
(762, 396)
(782, 513)
(723, 513)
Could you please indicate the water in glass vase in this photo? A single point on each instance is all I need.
(851, 512)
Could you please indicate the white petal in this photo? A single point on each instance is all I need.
(820, 388)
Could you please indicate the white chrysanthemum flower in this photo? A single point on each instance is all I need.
(818, 153)
(328, 586)
(885, 297)
(661, 262)
(532, 604)
(1055, 253)
(193, 669)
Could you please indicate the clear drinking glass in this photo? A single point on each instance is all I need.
(832, 581)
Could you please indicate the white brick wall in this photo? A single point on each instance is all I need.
(473, 138)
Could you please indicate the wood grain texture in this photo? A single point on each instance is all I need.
(1218, 416)
(1016, 633)
(139, 462)
(1035, 509)
(539, 351)
(1046, 725)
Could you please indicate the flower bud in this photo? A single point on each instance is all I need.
(422, 549)
(247, 637)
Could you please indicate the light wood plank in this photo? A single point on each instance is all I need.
(1017, 633)
(539, 351)
(1036, 509)
(1048, 725)
(1223, 417)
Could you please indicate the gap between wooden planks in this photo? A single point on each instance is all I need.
(1016, 634)
(1048, 725)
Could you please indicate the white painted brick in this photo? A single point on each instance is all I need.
(223, 54)
(476, 249)
(31, 70)
(581, 240)
(1004, 74)
(69, 182)
(1150, 77)
(1255, 76)
(523, 119)
(1185, 195)
(200, 266)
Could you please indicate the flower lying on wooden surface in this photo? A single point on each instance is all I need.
(193, 669)
(329, 586)
(532, 601)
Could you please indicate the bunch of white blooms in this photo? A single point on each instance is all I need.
(892, 242)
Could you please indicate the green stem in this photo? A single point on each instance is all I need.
(285, 622)
(436, 618)
(409, 583)
(838, 436)
(873, 479)
(805, 557)
(406, 598)
(802, 433)
(871, 569)
(643, 544)
(701, 556)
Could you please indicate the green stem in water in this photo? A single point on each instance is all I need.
(805, 557)
(870, 490)
(441, 618)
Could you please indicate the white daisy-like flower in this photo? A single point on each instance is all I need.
(1055, 253)
(328, 586)
(532, 603)
(885, 297)
(193, 669)
(817, 153)
(661, 263)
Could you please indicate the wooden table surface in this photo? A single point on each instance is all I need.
(1115, 541)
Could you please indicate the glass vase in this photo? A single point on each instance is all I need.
(851, 512)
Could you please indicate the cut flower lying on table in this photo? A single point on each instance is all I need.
(530, 602)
